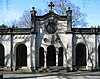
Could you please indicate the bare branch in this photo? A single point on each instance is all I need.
(78, 17)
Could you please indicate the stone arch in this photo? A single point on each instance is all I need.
(41, 57)
(60, 57)
(21, 55)
(1, 55)
(80, 54)
(51, 56)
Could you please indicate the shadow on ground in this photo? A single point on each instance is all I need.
(68, 75)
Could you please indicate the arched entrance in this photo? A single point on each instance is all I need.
(60, 57)
(51, 56)
(1, 55)
(21, 55)
(81, 55)
(99, 55)
(41, 57)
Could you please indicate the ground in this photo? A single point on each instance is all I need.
(67, 75)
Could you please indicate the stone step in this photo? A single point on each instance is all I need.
(52, 69)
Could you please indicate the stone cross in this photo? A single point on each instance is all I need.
(51, 5)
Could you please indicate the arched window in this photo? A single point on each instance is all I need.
(60, 57)
(81, 55)
(51, 56)
(41, 57)
(1, 55)
(99, 55)
(21, 55)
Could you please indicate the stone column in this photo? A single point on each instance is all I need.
(35, 29)
(32, 50)
(33, 21)
(57, 58)
(45, 65)
(11, 50)
(96, 52)
(36, 53)
(69, 51)
(69, 19)
(73, 51)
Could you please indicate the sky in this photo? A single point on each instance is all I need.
(15, 9)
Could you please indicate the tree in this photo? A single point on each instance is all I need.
(60, 8)
(98, 26)
(3, 26)
(78, 18)
(6, 2)
(24, 20)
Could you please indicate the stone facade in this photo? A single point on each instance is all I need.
(51, 41)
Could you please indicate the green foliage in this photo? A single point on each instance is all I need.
(3, 26)
(13, 26)
(98, 26)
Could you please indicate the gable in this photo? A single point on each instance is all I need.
(51, 14)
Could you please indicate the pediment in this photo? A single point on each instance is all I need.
(51, 14)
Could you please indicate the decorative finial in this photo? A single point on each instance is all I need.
(33, 11)
(51, 5)
(68, 8)
(33, 8)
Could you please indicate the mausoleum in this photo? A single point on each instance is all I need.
(50, 41)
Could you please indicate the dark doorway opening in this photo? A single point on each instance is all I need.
(81, 55)
(51, 56)
(1, 55)
(60, 57)
(99, 55)
(21, 55)
(41, 57)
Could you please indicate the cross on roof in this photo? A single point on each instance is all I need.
(51, 5)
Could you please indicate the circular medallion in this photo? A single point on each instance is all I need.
(51, 27)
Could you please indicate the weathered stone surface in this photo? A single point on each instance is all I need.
(1, 76)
